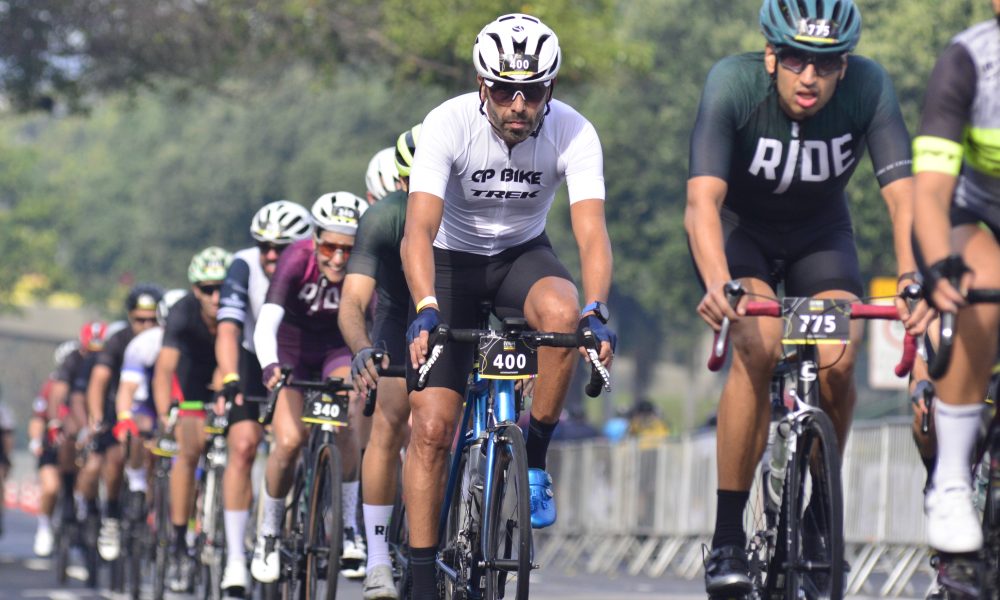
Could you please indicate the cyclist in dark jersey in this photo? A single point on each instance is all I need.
(274, 227)
(778, 135)
(376, 270)
(68, 412)
(297, 326)
(957, 167)
(140, 309)
(189, 353)
(41, 445)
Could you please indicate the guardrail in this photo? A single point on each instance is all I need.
(637, 507)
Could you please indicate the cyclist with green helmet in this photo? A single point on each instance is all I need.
(374, 268)
(777, 137)
(188, 353)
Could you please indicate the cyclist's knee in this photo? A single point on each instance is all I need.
(433, 435)
(242, 451)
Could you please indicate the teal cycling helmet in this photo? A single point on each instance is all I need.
(822, 26)
(209, 265)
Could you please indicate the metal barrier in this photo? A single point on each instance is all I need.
(646, 508)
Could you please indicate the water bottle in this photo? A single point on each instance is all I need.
(777, 464)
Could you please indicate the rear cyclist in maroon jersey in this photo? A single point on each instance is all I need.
(297, 326)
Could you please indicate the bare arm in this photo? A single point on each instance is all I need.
(124, 396)
(423, 218)
(354, 299)
(163, 375)
(932, 228)
(898, 197)
(227, 347)
(705, 196)
(57, 397)
(591, 232)
(97, 387)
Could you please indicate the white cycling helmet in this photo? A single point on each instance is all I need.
(338, 212)
(170, 297)
(64, 350)
(281, 222)
(381, 177)
(517, 48)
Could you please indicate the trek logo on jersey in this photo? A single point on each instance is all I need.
(508, 175)
(820, 160)
(319, 297)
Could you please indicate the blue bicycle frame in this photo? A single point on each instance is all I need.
(479, 417)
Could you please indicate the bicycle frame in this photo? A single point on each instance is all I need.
(479, 419)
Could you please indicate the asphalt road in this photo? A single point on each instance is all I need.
(24, 576)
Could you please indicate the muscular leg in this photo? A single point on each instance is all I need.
(289, 435)
(389, 426)
(552, 305)
(435, 415)
(237, 488)
(190, 432)
(743, 416)
(380, 465)
(48, 484)
(838, 392)
(112, 473)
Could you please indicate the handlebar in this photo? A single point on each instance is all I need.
(948, 322)
(770, 308)
(600, 378)
(330, 385)
(390, 371)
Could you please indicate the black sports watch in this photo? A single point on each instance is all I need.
(599, 309)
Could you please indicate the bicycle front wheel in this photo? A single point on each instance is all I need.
(507, 523)
(213, 552)
(162, 527)
(813, 510)
(991, 520)
(324, 538)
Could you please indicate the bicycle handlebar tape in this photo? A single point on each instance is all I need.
(376, 356)
(942, 355)
(909, 354)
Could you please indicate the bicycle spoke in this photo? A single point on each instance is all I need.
(508, 533)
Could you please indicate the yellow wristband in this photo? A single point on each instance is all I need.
(124, 415)
(230, 378)
(427, 301)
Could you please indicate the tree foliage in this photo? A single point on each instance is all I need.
(232, 103)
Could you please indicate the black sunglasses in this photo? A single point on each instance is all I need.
(503, 94)
(796, 61)
(144, 320)
(209, 288)
(266, 247)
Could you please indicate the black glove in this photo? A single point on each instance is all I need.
(952, 267)
(359, 364)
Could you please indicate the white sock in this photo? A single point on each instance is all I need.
(274, 509)
(44, 521)
(349, 494)
(136, 479)
(957, 428)
(236, 528)
(377, 519)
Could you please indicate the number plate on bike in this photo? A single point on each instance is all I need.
(814, 321)
(325, 409)
(501, 358)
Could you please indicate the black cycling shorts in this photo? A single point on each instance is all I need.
(253, 387)
(389, 331)
(959, 216)
(48, 457)
(104, 440)
(463, 280)
(817, 257)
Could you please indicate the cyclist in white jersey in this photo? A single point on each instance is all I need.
(134, 400)
(274, 227)
(483, 180)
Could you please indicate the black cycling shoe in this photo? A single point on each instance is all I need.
(727, 572)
